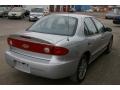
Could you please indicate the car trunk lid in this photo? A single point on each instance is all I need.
(36, 39)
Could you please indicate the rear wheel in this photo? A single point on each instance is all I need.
(30, 20)
(106, 17)
(2, 15)
(81, 70)
(9, 17)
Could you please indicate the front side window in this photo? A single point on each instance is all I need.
(90, 26)
(55, 24)
(99, 25)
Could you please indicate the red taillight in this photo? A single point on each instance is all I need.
(37, 47)
(60, 51)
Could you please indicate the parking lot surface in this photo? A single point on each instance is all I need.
(105, 70)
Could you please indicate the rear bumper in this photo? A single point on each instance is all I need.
(44, 69)
(33, 19)
(116, 21)
(14, 16)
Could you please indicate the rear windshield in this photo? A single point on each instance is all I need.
(55, 24)
(37, 10)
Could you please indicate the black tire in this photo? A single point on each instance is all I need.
(27, 13)
(109, 46)
(81, 70)
(30, 20)
(9, 17)
(2, 15)
(106, 17)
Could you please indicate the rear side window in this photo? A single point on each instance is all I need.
(99, 25)
(89, 25)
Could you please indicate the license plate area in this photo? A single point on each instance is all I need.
(22, 66)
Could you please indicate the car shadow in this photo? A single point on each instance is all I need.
(28, 79)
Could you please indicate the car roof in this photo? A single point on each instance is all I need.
(73, 15)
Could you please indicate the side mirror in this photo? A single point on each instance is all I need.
(108, 29)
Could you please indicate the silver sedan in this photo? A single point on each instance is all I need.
(59, 45)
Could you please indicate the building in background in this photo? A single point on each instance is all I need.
(101, 8)
(59, 8)
(54, 8)
(81, 8)
(29, 7)
(116, 9)
(66, 8)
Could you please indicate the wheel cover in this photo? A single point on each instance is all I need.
(82, 69)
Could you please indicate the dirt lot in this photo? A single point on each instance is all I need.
(105, 70)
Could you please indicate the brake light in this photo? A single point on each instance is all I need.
(10, 42)
(37, 47)
(60, 51)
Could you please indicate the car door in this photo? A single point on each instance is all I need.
(100, 27)
(92, 36)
